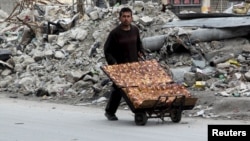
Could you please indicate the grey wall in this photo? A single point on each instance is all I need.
(7, 5)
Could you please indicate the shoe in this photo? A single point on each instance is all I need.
(111, 116)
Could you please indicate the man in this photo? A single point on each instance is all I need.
(123, 45)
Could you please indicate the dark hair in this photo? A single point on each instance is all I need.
(125, 9)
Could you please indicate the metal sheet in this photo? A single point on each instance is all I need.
(223, 22)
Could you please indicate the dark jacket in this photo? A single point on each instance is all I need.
(123, 46)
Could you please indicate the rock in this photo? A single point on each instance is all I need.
(59, 55)
(189, 78)
(146, 20)
(247, 75)
(5, 54)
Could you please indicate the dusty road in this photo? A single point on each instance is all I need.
(23, 120)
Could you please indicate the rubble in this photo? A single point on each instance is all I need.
(51, 52)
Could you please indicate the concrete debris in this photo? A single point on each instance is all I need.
(52, 52)
(5, 54)
(219, 22)
(242, 8)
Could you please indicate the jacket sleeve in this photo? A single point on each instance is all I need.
(109, 50)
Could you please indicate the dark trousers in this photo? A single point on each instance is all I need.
(114, 100)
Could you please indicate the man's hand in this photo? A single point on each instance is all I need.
(142, 56)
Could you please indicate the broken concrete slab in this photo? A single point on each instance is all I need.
(153, 43)
(219, 22)
(5, 54)
(205, 34)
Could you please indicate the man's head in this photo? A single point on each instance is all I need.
(125, 9)
(125, 16)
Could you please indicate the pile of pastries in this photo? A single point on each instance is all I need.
(144, 82)
(147, 96)
(138, 73)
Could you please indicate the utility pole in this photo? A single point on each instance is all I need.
(80, 7)
(72, 11)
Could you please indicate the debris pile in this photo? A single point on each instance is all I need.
(241, 8)
(49, 50)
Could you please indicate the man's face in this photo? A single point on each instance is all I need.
(126, 18)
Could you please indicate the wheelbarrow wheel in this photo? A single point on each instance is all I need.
(141, 118)
(175, 115)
